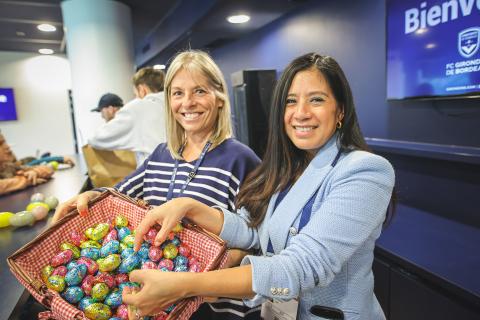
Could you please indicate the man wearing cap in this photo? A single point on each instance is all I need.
(108, 105)
(139, 125)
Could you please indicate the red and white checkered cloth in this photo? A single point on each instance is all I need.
(202, 246)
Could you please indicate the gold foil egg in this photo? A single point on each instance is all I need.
(109, 263)
(56, 283)
(46, 273)
(97, 311)
(68, 246)
(121, 221)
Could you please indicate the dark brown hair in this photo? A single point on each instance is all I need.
(283, 162)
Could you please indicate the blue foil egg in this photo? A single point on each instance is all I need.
(75, 275)
(123, 232)
(85, 302)
(181, 268)
(92, 253)
(71, 264)
(130, 263)
(73, 294)
(181, 261)
(114, 299)
(110, 247)
(176, 241)
(143, 252)
(127, 252)
(128, 284)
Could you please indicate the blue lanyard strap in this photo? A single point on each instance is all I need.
(192, 173)
(306, 211)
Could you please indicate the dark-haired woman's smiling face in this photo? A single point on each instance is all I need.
(311, 111)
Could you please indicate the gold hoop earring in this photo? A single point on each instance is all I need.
(339, 124)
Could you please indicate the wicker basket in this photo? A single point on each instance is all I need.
(27, 262)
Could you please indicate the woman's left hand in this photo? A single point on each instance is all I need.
(159, 290)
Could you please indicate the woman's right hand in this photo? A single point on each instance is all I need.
(79, 201)
(168, 215)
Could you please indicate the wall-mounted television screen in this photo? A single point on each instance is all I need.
(433, 49)
(8, 110)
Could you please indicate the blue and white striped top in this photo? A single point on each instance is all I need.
(216, 183)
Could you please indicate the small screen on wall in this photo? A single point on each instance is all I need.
(7, 105)
(433, 48)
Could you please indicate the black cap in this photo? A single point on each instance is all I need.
(108, 99)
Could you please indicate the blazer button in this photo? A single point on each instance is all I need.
(286, 291)
(293, 231)
(274, 291)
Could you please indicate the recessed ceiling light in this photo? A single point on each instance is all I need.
(159, 66)
(241, 18)
(46, 27)
(421, 31)
(20, 34)
(45, 51)
(430, 46)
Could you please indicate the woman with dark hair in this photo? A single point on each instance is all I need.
(314, 208)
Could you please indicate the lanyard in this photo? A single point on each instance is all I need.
(307, 209)
(192, 173)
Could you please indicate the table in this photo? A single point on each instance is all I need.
(64, 185)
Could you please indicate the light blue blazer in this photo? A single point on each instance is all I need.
(329, 262)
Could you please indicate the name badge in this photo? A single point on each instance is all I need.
(279, 310)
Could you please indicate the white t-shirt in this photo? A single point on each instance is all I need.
(139, 126)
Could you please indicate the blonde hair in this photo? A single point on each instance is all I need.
(201, 63)
(150, 77)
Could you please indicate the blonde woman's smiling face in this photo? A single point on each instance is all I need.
(311, 111)
(194, 103)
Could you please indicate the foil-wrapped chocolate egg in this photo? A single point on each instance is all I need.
(73, 294)
(164, 269)
(85, 302)
(46, 272)
(114, 299)
(92, 253)
(150, 235)
(127, 252)
(56, 283)
(123, 232)
(149, 265)
(60, 271)
(121, 221)
(181, 268)
(90, 244)
(76, 275)
(100, 291)
(160, 316)
(71, 264)
(184, 250)
(130, 263)
(166, 263)
(176, 241)
(128, 284)
(170, 251)
(87, 284)
(178, 228)
(111, 235)
(123, 246)
(62, 257)
(92, 266)
(109, 263)
(181, 261)
(155, 253)
(129, 240)
(99, 231)
(106, 278)
(195, 267)
(121, 278)
(143, 252)
(109, 248)
(76, 238)
(170, 308)
(97, 311)
(122, 312)
(69, 246)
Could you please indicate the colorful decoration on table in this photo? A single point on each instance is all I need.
(91, 268)
(37, 209)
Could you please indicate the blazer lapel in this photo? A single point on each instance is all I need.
(283, 217)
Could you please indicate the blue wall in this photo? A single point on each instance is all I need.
(353, 32)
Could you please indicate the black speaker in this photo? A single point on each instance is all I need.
(252, 92)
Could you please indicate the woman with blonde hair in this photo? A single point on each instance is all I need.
(200, 160)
